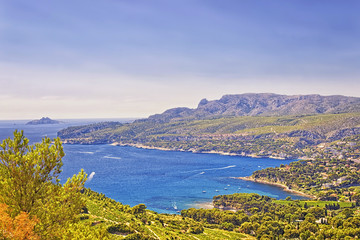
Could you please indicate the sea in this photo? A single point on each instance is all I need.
(165, 181)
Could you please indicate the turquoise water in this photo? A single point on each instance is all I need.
(166, 181)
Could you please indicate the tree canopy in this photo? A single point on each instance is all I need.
(29, 183)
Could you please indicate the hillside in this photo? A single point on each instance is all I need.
(281, 137)
(267, 218)
(248, 216)
(105, 218)
(325, 178)
(246, 124)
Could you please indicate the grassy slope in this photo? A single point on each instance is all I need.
(232, 125)
(104, 212)
(280, 137)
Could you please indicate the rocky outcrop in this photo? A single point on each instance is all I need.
(342, 133)
(172, 114)
(309, 135)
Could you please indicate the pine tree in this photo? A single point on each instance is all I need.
(29, 183)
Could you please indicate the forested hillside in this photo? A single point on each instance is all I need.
(267, 218)
(326, 178)
(258, 125)
(280, 137)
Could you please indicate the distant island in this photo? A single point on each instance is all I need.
(43, 120)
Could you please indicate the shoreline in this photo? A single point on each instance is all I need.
(137, 145)
(203, 205)
(297, 192)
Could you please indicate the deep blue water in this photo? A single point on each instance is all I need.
(166, 181)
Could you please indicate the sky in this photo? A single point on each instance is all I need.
(134, 58)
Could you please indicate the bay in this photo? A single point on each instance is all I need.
(166, 181)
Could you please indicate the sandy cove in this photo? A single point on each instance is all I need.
(286, 188)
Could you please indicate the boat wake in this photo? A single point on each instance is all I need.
(91, 176)
(86, 152)
(112, 157)
(210, 169)
(231, 166)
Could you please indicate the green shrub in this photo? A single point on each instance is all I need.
(120, 228)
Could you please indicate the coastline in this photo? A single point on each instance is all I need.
(277, 185)
(137, 145)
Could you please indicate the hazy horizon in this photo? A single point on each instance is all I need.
(132, 59)
(126, 118)
(70, 119)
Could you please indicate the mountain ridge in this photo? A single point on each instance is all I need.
(261, 104)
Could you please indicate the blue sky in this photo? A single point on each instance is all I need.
(86, 58)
